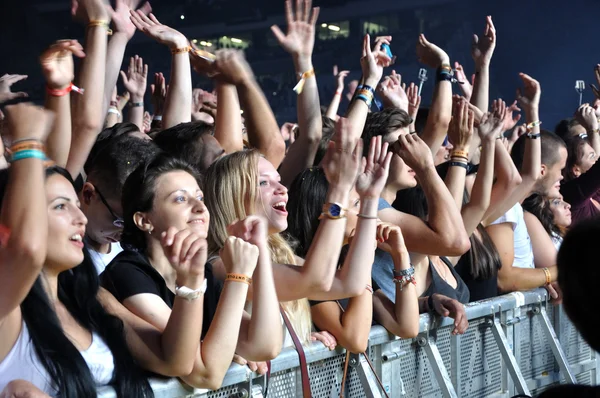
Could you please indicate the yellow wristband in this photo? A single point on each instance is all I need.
(303, 76)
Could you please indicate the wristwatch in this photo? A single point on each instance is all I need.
(333, 211)
(189, 294)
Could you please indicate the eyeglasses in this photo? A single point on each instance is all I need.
(118, 221)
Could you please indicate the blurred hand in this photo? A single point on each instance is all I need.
(120, 16)
(414, 151)
(373, 61)
(392, 92)
(27, 121)
(375, 170)
(482, 48)
(252, 229)
(460, 132)
(340, 80)
(448, 307)
(6, 82)
(430, 54)
(57, 63)
(414, 102)
(586, 116)
(157, 31)
(159, 93)
(231, 67)
(529, 96)
(466, 85)
(326, 338)
(343, 158)
(135, 78)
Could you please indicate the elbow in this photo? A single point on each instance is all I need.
(515, 179)
(207, 381)
(31, 252)
(88, 126)
(458, 244)
(356, 346)
(178, 369)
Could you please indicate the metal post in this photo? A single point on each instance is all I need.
(509, 359)
(365, 375)
(559, 355)
(437, 364)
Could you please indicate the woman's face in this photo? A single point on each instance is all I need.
(588, 159)
(273, 197)
(66, 225)
(561, 211)
(401, 176)
(178, 203)
(352, 214)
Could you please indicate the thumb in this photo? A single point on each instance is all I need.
(124, 77)
(475, 39)
(20, 94)
(278, 33)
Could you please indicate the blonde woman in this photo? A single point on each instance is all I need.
(244, 183)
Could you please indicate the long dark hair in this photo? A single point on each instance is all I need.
(484, 259)
(77, 291)
(307, 194)
(138, 194)
(575, 146)
(539, 206)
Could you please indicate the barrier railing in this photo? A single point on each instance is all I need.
(516, 343)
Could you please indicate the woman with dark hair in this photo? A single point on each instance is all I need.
(60, 333)
(351, 327)
(159, 199)
(554, 215)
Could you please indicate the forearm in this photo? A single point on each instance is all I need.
(218, 347)
(309, 107)
(356, 271)
(265, 334)
(228, 122)
(358, 111)
(334, 106)
(179, 96)
(261, 126)
(474, 211)
(405, 314)
(356, 323)
(481, 87)
(88, 115)
(439, 117)
(532, 160)
(594, 139)
(135, 114)
(511, 279)
(114, 59)
(455, 182)
(59, 139)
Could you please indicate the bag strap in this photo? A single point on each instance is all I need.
(306, 393)
(347, 361)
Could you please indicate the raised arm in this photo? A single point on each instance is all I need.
(228, 121)
(587, 116)
(179, 97)
(444, 234)
(401, 316)
(135, 84)
(88, 112)
(482, 50)
(57, 66)
(334, 105)
(460, 134)
(440, 113)
(299, 42)
(24, 216)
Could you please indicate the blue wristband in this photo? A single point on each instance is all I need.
(28, 154)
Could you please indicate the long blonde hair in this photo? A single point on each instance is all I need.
(231, 191)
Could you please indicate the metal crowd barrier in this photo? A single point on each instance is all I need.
(515, 344)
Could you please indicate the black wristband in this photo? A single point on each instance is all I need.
(460, 164)
(430, 304)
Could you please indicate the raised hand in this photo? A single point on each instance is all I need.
(373, 61)
(57, 63)
(414, 151)
(390, 238)
(231, 66)
(430, 54)
(91, 10)
(28, 121)
(414, 102)
(466, 85)
(511, 121)
(375, 171)
(586, 116)
(6, 82)
(595, 88)
(529, 96)
(252, 229)
(120, 16)
(159, 32)
(239, 256)
(448, 307)
(343, 158)
(159, 93)
(122, 100)
(324, 337)
(340, 80)
(460, 132)
(187, 253)
(483, 47)
(135, 78)
(492, 124)
(300, 37)
(147, 123)
(392, 92)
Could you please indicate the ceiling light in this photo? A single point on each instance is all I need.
(234, 40)
(323, 25)
(182, 16)
(195, 41)
(334, 28)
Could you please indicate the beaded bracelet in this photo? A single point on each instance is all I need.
(404, 277)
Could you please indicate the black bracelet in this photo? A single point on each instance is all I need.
(368, 88)
(460, 164)
(534, 136)
(136, 104)
(430, 304)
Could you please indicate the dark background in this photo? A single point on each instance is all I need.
(554, 41)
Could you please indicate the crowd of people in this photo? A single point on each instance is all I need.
(175, 238)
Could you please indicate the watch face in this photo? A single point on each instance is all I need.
(335, 210)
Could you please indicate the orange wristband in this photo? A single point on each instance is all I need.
(238, 278)
(460, 154)
(181, 50)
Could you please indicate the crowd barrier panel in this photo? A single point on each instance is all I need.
(518, 343)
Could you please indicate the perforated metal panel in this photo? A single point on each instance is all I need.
(575, 347)
(536, 358)
(284, 384)
(480, 362)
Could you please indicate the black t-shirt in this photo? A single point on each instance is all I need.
(440, 286)
(130, 273)
(480, 289)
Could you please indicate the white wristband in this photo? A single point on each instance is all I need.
(189, 294)
(157, 117)
(115, 111)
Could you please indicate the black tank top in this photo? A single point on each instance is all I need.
(440, 286)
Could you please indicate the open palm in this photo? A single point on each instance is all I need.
(372, 179)
(159, 32)
(300, 37)
(57, 62)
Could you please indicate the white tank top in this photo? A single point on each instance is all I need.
(23, 363)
